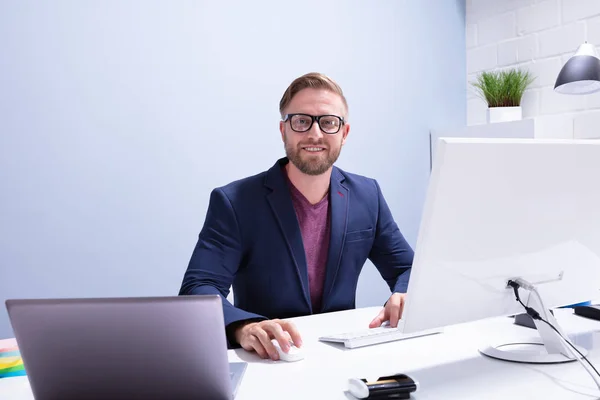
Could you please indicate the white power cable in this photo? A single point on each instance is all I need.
(570, 345)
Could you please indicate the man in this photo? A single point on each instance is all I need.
(292, 240)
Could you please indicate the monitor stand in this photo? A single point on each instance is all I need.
(549, 350)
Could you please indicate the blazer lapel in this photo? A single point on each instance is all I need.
(280, 201)
(339, 200)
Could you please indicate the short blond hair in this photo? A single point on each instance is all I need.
(313, 80)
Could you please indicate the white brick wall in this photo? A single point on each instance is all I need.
(517, 50)
(573, 10)
(471, 35)
(593, 32)
(545, 71)
(538, 17)
(556, 103)
(587, 126)
(482, 58)
(498, 27)
(562, 40)
(593, 101)
(539, 35)
(531, 103)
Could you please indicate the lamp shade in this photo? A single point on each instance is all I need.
(581, 73)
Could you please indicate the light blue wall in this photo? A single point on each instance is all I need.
(118, 118)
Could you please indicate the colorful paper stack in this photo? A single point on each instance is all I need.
(11, 363)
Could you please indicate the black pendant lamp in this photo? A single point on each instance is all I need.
(581, 73)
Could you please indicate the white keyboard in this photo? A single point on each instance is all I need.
(371, 336)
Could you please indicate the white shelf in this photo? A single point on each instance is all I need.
(546, 127)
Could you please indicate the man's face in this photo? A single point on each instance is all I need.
(313, 152)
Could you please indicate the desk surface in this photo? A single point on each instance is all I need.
(447, 365)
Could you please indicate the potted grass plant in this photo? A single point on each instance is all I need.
(503, 92)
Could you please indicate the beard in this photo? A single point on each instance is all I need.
(311, 164)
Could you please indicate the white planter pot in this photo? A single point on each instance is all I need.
(504, 114)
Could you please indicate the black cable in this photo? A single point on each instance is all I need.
(530, 311)
(535, 315)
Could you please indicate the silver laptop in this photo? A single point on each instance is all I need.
(125, 348)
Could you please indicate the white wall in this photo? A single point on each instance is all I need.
(118, 118)
(539, 35)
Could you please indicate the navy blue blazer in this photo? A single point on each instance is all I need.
(251, 239)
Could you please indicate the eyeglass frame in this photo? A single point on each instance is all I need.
(288, 117)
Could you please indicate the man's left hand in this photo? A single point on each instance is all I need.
(391, 312)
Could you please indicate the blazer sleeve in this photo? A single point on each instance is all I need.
(390, 254)
(216, 257)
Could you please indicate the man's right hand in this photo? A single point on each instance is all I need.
(256, 336)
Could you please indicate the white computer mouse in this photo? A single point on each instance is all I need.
(294, 353)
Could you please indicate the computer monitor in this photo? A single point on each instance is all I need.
(500, 209)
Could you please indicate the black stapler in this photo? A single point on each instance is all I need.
(394, 387)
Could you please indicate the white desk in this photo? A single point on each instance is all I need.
(447, 365)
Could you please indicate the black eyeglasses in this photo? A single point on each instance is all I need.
(329, 124)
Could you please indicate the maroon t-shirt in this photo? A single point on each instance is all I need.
(314, 226)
